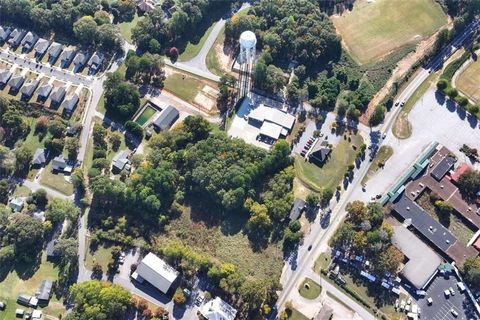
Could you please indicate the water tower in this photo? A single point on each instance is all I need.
(248, 42)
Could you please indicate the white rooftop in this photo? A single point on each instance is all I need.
(271, 130)
(263, 113)
(157, 272)
(217, 309)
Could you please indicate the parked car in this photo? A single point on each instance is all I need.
(303, 153)
(429, 301)
(452, 292)
(454, 313)
(446, 293)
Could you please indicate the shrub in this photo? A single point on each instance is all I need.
(134, 128)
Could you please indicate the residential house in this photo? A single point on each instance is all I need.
(5, 75)
(59, 164)
(146, 5)
(57, 95)
(37, 315)
(44, 292)
(28, 89)
(43, 92)
(29, 41)
(4, 33)
(217, 309)
(53, 52)
(120, 161)
(27, 301)
(79, 61)
(155, 271)
(66, 57)
(16, 37)
(95, 62)
(70, 103)
(16, 204)
(39, 158)
(166, 118)
(16, 82)
(41, 47)
(298, 207)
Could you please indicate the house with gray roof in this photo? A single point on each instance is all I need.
(120, 161)
(16, 204)
(41, 47)
(4, 33)
(66, 57)
(16, 82)
(44, 292)
(43, 92)
(59, 164)
(29, 41)
(319, 151)
(79, 61)
(54, 51)
(39, 158)
(95, 62)
(70, 103)
(5, 75)
(28, 89)
(166, 118)
(16, 37)
(57, 95)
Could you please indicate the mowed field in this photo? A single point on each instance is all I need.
(468, 82)
(375, 28)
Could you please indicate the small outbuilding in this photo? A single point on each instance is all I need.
(16, 204)
(297, 209)
(44, 292)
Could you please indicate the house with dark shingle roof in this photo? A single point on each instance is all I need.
(70, 103)
(28, 89)
(57, 95)
(319, 151)
(16, 37)
(95, 62)
(39, 158)
(41, 47)
(4, 33)
(5, 75)
(66, 57)
(43, 92)
(54, 51)
(16, 82)
(29, 41)
(79, 61)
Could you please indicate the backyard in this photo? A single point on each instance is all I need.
(467, 82)
(331, 174)
(12, 285)
(56, 181)
(374, 29)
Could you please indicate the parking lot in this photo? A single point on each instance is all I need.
(442, 306)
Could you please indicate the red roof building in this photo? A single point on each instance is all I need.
(476, 244)
(461, 169)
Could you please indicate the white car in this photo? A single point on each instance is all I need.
(446, 293)
(429, 301)
(452, 292)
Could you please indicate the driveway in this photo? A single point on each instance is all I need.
(433, 118)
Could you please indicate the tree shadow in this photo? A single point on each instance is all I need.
(440, 97)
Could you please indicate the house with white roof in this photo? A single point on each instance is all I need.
(217, 309)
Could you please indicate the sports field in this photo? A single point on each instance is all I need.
(375, 28)
(468, 82)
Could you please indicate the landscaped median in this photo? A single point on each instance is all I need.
(309, 289)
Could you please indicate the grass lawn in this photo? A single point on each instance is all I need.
(468, 81)
(21, 191)
(322, 262)
(309, 289)
(225, 242)
(453, 223)
(193, 49)
(101, 104)
(374, 29)
(102, 255)
(126, 27)
(212, 59)
(185, 87)
(331, 174)
(12, 285)
(383, 154)
(32, 141)
(296, 315)
(56, 181)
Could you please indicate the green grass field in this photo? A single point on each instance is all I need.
(309, 289)
(296, 315)
(331, 174)
(183, 86)
(102, 255)
(192, 49)
(212, 60)
(322, 262)
(468, 82)
(126, 27)
(56, 181)
(375, 28)
(383, 154)
(13, 285)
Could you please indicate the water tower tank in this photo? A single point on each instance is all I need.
(248, 42)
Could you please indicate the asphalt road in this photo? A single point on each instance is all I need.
(318, 238)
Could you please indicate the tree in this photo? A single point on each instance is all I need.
(86, 30)
(126, 9)
(7, 161)
(72, 145)
(179, 297)
(55, 146)
(312, 200)
(389, 260)
(59, 209)
(173, 53)
(40, 197)
(4, 190)
(123, 99)
(154, 46)
(326, 196)
(471, 270)
(378, 115)
(23, 157)
(67, 248)
(7, 255)
(134, 128)
(42, 124)
(26, 234)
(259, 223)
(375, 214)
(442, 84)
(356, 212)
(99, 300)
(56, 128)
(469, 183)
(101, 17)
(196, 128)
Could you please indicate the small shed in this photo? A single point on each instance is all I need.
(16, 204)
(297, 209)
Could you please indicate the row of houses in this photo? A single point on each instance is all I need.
(57, 94)
(30, 41)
